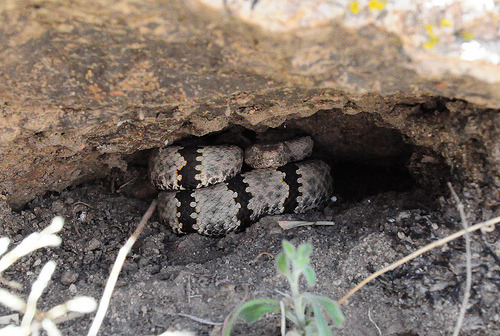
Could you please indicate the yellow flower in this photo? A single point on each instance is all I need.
(432, 38)
(376, 5)
(354, 7)
(445, 23)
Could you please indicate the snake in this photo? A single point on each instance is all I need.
(204, 190)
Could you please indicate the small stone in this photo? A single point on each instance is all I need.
(150, 247)
(57, 206)
(143, 262)
(68, 277)
(83, 216)
(72, 289)
(129, 266)
(403, 215)
(94, 244)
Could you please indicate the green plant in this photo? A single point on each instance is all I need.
(308, 312)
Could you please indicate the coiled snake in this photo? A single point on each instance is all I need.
(206, 193)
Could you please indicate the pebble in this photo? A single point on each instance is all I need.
(72, 289)
(143, 262)
(57, 206)
(68, 277)
(150, 248)
(94, 244)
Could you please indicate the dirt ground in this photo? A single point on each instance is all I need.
(87, 85)
(166, 275)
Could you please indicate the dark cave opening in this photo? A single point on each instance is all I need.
(365, 156)
(355, 177)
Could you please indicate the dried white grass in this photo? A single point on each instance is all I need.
(198, 319)
(12, 301)
(115, 272)
(36, 291)
(178, 333)
(373, 322)
(485, 227)
(468, 261)
(4, 244)
(79, 304)
(33, 242)
(283, 318)
(287, 225)
(33, 320)
(50, 327)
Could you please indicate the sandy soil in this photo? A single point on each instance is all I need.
(166, 275)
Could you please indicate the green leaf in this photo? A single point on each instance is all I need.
(321, 324)
(310, 276)
(301, 263)
(303, 253)
(289, 249)
(332, 309)
(282, 264)
(252, 311)
(329, 306)
(304, 250)
(311, 329)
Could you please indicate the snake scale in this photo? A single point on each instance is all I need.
(205, 192)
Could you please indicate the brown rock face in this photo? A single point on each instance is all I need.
(83, 84)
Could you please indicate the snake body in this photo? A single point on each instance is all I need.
(207, 194)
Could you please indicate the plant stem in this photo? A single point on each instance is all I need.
(297, 297)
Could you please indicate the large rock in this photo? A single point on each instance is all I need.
(83, 83)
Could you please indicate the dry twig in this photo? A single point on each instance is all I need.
(372, 321)
(115, 271)
(287, 225)
(468, 259)
(197, 319)
(486, 226)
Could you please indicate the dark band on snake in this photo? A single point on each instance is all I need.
(291, 179)
(238, 185)
(189, 171)
(185, 210)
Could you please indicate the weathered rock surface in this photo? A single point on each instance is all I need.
(87, 87)
(82, 84)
